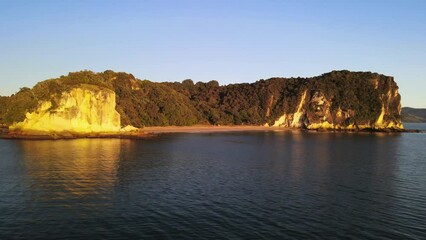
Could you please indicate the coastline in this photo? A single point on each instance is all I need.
(142, 133)
(210, 129)
(155, 131)
(36, 135)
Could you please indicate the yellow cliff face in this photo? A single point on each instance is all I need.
(81, 110)
(282, 121)
(320, 125)
(298, 114)
(314, 112)
(380, 123)
(293, 119)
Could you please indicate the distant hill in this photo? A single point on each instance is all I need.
(413, 114)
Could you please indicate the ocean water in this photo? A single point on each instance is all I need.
(246, 185)
(415, 126)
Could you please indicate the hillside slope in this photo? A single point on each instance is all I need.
(415, 115)
(335, 100)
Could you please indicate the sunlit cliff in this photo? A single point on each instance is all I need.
(85, 109)
(88, 102)
(314, 111)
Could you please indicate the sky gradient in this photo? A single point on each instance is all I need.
(225, 40)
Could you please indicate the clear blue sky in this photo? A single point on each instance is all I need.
(226, 40)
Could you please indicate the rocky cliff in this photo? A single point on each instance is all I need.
(317, 111)
(339, 100)
(83, 109)
(105, 102)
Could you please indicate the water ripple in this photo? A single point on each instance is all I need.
(215, 186)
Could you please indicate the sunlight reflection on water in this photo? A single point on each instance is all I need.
(72, 169)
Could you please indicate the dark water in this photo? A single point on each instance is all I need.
(415, 126)
(265, 185)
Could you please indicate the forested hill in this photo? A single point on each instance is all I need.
(413, 114)
(339, 97)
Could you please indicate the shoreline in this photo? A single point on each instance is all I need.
(210, 129)
(147, 132)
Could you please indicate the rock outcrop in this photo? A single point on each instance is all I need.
(83, 109)
(315, 111)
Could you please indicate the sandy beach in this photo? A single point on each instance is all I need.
(142, 133)
(208, 129)
(152, 131)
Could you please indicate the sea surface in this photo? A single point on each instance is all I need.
(244, 185)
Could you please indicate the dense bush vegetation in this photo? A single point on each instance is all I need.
(144, 103)
(3, 108)
(351, 90)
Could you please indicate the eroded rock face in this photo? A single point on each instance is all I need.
(315, 111)
(81, 110)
